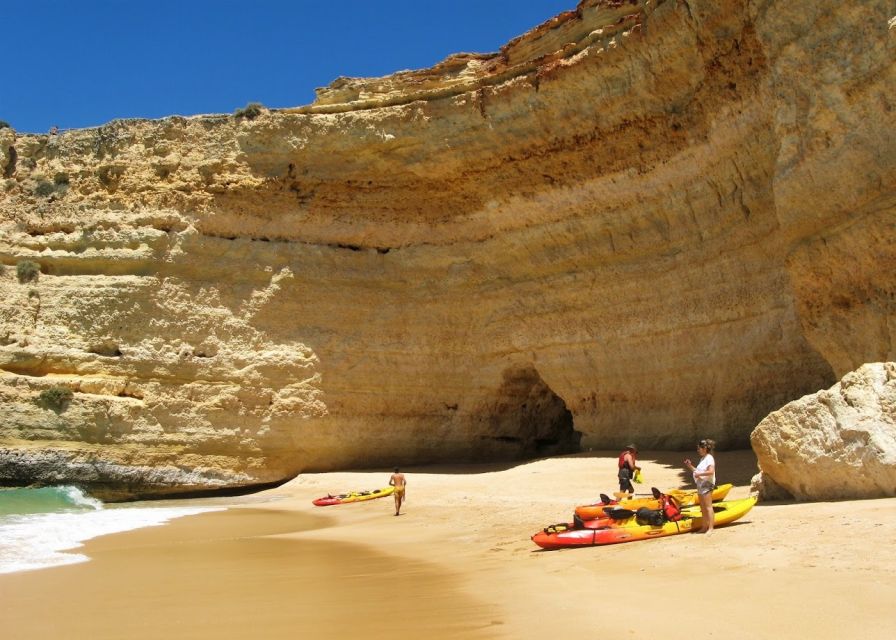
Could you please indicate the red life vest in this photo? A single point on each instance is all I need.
(622, 459)
(670, 509)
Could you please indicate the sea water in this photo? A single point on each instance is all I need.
(38, 524)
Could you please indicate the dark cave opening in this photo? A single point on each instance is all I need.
(527, 419)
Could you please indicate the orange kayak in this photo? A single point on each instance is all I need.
(684, 498)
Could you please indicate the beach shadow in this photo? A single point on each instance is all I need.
(470, 468)
(736, 466)
(463, 467)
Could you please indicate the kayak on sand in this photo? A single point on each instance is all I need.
(609, 531)
(353, 496)
(684, 497)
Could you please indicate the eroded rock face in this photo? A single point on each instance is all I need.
(640, 221)
(837, 443)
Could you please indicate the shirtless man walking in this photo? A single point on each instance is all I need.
(400, 483)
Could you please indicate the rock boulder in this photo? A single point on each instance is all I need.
(835, 444)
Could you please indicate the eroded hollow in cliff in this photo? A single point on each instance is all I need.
(10, 169)
(527, 419)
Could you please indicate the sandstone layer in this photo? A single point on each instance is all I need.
(839, 443)
(645, 221)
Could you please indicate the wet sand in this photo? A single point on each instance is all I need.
(458, 563)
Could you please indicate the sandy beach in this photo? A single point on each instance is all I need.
(458, 563)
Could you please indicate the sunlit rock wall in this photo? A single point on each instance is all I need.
(641, 221)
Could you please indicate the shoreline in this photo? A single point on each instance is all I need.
(459, 563)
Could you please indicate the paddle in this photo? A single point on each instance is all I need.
(621, 513)
(624, 495)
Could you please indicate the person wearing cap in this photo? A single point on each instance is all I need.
(627, 466)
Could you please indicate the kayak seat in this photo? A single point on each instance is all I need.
(653, 517)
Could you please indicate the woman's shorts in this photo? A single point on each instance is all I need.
(704, 489)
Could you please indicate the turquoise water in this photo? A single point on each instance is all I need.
(23, 501)
(41, 528)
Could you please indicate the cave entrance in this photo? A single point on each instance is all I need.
(527, 419)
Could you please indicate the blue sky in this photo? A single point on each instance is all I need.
(82, 63)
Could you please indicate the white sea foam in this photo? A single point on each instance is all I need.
(80, 499)
(37, 540)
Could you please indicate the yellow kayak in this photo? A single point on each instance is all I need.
(683, 497)
(603, 531)
(353, 496)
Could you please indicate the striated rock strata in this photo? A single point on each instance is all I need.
(839, 443)
(644, 221)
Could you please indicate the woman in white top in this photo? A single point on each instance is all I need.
(705, 479)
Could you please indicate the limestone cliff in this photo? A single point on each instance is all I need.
(639, 221)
